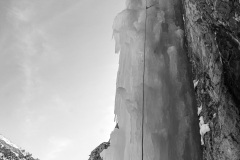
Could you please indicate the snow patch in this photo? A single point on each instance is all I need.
(195, 83)
(199, 110)
(214, 115)
(8, 142)
(204, 128)
(237, 17)
(16, 154)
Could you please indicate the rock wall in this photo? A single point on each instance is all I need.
(95, 154)
(212, 30)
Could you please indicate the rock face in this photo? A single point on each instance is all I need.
(212, 30)
(9, 151)
(95, 154)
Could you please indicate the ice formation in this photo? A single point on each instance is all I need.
(170, 127)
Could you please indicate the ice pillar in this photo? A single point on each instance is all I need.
(170, 127)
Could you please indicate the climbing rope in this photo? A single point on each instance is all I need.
(143, 102)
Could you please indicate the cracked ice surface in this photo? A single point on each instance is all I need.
(170, 128)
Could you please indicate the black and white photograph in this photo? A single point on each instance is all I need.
(119, 80)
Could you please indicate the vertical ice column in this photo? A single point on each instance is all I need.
(170, 125)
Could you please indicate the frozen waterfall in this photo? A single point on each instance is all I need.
(170, 126)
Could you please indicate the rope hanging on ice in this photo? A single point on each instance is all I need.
(144, 53)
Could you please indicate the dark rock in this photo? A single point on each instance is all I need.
(212, 31)
(95, 154)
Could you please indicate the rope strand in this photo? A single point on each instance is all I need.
(143, 100)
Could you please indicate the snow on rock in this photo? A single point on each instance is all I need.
(8, 142)
(169, 127)
(10, 151)
(195, 83)
(199, 110)
(204, 128)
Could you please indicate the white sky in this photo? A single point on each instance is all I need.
(58, 75)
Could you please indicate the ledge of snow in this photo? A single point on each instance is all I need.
(8, 142)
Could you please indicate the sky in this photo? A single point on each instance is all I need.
(58, 75)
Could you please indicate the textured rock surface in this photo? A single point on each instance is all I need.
(95, 154)
(213, 32)
(9, 151)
